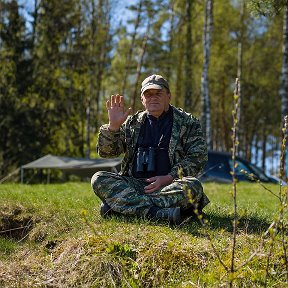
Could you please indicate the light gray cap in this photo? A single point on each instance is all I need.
(154, 82)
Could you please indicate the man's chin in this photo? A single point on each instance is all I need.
(154, 109)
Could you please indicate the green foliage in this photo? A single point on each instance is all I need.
(266, 7)
(7, 247)
(121, 250)
(50, 77)
(58, 70)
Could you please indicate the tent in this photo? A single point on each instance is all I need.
(77, 166)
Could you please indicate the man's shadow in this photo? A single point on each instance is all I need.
(246, 224)
(192, 225)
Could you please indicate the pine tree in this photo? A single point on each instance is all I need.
(14, 74)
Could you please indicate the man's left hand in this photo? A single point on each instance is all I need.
(157, 183)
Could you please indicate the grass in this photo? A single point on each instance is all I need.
(65, 242)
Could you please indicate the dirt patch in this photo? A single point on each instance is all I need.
(15, 222)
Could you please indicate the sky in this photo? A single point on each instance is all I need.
(120, 13)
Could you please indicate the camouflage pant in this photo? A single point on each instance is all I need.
(126, 194)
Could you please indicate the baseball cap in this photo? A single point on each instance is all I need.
(154, 82)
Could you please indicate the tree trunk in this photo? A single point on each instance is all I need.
(239, 72)
(179, 70)
(34, 23)
(206, 113)
(171, 41)
(284, 73)
(188, 59)
(225, 131)
(256, 150)
(82, 125)
(92, 73)
(88, 127)
(129, 55)
(264, 140)
(139, 66)
(240, 55)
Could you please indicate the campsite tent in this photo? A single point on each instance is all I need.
(77, 166)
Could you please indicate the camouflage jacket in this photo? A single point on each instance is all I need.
(187, 148)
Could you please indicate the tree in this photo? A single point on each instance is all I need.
(222, 74)
(284, 73)
(13, 84)
(205, 97)
(55, 73)
(270, 8)
(188, 58)
(132, 45)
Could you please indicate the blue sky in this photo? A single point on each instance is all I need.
(120, 13)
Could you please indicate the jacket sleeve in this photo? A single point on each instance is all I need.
(191, 154)
(110, 144)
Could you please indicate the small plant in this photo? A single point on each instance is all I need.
(277, 227)
(121, 250)
(235, 114)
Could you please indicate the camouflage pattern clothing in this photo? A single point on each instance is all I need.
(187, 154)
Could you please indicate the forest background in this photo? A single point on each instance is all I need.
(60, 60)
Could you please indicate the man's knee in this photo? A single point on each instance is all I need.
(194, 184)
(197, 194)
(98, 179)
(190, 183)
(192, 188)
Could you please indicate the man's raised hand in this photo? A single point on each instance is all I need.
(116, 113)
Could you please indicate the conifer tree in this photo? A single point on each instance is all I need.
(13, 77)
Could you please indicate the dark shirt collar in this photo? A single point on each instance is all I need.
(161, 117)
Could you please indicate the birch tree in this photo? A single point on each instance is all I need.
(206, 113)
(284, 72)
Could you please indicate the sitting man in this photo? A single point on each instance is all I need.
(164, 151)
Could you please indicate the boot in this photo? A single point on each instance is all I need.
(171, 214)
(106, 211)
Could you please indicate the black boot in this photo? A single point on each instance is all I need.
(191, 212)
(173, 215)
(106, 211)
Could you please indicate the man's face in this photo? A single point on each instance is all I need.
(156, 101)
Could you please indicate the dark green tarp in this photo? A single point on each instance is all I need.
(77, 166)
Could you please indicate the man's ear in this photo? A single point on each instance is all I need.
(142, 99)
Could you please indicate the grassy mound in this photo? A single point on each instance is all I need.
(53, 236)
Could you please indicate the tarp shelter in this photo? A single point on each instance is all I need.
(81, 167)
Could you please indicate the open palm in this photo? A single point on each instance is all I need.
(116, 113)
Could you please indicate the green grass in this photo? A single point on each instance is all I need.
(65, 242)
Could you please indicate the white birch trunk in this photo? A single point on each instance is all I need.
(205, 98)
(239, 76)
(283, 92)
